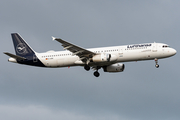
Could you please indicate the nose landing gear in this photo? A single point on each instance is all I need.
(157, 66)
(156, 61)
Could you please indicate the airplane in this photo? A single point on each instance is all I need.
(108, 58)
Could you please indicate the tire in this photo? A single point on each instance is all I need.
(96, 74)
(86, 67)
(157, 66)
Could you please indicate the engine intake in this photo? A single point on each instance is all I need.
(118, 67)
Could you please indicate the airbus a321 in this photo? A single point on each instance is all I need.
(108, 58)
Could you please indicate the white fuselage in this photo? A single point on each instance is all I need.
(107, 58)
(126, 53)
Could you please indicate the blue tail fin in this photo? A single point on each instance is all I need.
(20, 46)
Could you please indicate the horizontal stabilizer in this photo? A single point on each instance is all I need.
(15, 56)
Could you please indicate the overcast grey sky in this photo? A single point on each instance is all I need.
(141, 92)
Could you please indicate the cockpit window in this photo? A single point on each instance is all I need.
(165, 46)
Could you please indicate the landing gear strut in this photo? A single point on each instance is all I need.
(156, 61)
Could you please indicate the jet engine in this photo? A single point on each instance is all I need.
(104, 57)
(118, 67)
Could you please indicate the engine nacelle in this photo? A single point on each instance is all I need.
(104, 57)
(118, 67)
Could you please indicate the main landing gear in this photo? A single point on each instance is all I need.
(86, 67)
(156, 61)
(96, 73)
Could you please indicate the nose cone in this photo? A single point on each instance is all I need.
(173, 51)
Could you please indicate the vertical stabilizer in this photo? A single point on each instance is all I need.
(20, 46)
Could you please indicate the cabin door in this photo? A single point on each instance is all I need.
(154, 47)
(120, 52)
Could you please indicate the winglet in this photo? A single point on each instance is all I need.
(53, 38)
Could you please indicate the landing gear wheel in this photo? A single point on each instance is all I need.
(157, 66)
(86, 67)
(96, 74)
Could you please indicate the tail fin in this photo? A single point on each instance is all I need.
(20, 46)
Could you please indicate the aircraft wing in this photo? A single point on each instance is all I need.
(76, 50)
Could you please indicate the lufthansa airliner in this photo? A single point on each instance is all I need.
(110, 59)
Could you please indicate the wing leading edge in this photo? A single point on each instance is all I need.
(83, 54)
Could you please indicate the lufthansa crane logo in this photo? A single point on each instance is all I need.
(21, 48)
